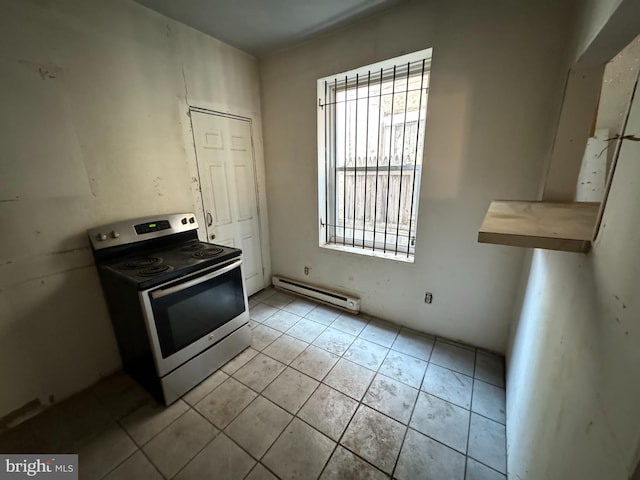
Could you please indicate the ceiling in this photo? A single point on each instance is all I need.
(263, 26)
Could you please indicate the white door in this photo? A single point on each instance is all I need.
(228, 183)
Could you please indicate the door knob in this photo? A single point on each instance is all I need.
(213, 236)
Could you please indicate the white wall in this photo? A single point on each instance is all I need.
(617, 84)
(594, 16)
(573, 391)
(93, 129)
(496, 83)
(619, 78)
(573, 395)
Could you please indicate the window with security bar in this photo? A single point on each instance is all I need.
(371, 124)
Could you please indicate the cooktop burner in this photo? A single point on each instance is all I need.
(194, 247)
(155, 270)
(208, 252)
(138, 263)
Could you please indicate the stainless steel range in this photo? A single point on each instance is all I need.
(178, 305)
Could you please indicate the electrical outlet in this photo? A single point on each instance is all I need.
(428, 297)
(307, 270)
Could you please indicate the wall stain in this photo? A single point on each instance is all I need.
(17, 199)
(44, 74)
(621, 302)
(43, 70)
(31, 279)
(157, 186)
(71, 250)
(26, 410)
(589, 425)
(92, 182)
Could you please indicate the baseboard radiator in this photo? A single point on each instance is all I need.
(335, 299)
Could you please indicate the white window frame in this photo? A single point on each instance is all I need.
(325, 139)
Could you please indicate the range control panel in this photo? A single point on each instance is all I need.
(138, 229)
(152, 226)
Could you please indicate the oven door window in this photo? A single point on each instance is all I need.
(189, 314)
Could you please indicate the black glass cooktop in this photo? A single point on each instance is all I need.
(153, 267)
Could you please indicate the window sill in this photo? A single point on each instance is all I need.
(567, 227)
(368, 253)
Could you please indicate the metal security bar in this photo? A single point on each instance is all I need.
(374, 122)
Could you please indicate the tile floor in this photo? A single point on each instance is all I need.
(320, 394)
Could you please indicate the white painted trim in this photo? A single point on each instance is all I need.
(368, 252)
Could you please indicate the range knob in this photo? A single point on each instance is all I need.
(114, 234)
(192, 220)
(184, 221)
(101, 237)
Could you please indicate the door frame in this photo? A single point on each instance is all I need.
(265, 280)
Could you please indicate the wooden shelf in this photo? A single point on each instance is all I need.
(555, 226)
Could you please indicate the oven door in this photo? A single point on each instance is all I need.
(187, 316)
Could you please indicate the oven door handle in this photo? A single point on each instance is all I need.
(176, 288)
